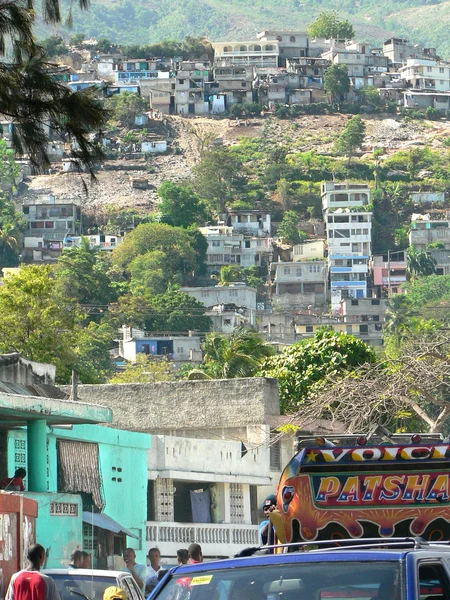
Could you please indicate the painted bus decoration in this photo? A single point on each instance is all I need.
(394, 488)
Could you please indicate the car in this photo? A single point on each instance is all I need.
(73, 584)
(406, 569)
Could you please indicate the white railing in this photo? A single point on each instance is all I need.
(215, 539)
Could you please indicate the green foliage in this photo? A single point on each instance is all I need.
(237, 355)
(300, 368)
(45, 325)
(370, 96)
(77, 38)
(288, 228)
(82, 274)
(148, 275)
(327, 25)
(180, 206)
(145, 369)
(176, 244)
(176, 311)
(125, 107)
(54, 46)
(420, 263)
(352, 137)
(218, 178)
(236, 110)
(433, 290)
(252, 109)
(189, 49)
(336, 82)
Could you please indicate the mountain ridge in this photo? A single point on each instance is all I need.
(147, 22)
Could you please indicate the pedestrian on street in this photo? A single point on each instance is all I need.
(182, 556)
(76, 559)
(266, 531)
(195, 554)
(154, 557)
(30, 584)
(139, 572)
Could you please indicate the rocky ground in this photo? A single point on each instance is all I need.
(113, 185)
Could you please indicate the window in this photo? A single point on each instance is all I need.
(375, 302)
(355, 302)
(179, 350)
(51, 224)
(292, 38)
(299, 272)
(243, 84)
(37, 225)
(26, 210)
(215, 243)
(287, 270)
(363, 329)
(441, 69)
(309, 329)
(205, 293)
(227, 321)
(233, 293)
(433, 580)
(429, 69)
(275, 456)
(247, 243)
(181, 82)
(279, 38)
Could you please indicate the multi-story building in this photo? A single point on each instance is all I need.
(426, 74)
(315, 249)
(49, 222)
(190, 88)
(389, 273)
(272, 85)
(310, 71)
(160, 93)
(235, 82)
(235, 295)
(291, 44)
(398, 50)
(426, 230)
(179, 348)
(253, 54)
(349, 236)
(344, 195)
(249, 222)
(306, 279)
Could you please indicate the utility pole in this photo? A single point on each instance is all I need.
(389, 273)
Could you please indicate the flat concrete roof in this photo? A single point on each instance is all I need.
(16, 410)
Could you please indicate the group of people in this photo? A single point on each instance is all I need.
(79, 559)
(147, 577)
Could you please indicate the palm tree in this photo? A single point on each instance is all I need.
(399, 316)
(32, 99)
(227, 357)
(9, 243)
(420, 263)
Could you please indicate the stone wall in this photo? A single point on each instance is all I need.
(186, 405)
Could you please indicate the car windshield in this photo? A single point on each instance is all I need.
(296, 581)
(73, 587)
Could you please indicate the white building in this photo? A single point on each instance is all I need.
(235, 295)
(249, 222)
(254, 53)
(154, 147)
(181, 348)
(103, 242)
(344, 195)
(307, 279)
(228, 248)
(426, 74)
(315, 249)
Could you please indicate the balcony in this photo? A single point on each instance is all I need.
(215, 539)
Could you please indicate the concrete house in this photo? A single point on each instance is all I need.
(190, 88)
(235, 83)
(389, 273)
(398, 50)
(426, 74)
(426, 230)
(179, 348)
(252, 54)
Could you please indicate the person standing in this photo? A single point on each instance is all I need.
(154, 557)
(14, 484)
(139, 572)
(195, 554)
(266, 531)
(30, 584)
(86, 560)
(76, 559)
(182, 556)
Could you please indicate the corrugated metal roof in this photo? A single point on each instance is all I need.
(104, 522)
(40, 390)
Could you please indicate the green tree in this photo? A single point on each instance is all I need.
(93, 344)
(300, 368)
(419, 262)
(125, 107)
(237, 355)
(176, 312)
(218, 178)
(31, 97)
(180, 206)
(148, 275)
(327, 25)
(369, 96)
(288, 229)
(352, 137)
(145, 369)
(77, 38)
(176, 243)
(81, 273)
(54, 46)
(336, 82)
(399, 316)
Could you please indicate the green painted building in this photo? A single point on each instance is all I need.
(90, 481)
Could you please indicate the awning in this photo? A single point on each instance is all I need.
(104, 522)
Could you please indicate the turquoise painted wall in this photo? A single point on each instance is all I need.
(123, 466)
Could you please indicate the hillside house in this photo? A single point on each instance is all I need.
(426, 74)
(251, 54)
(426, 230)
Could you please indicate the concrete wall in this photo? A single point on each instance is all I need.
(16, 369)
(188, 405)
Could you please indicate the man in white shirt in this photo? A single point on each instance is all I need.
(154, 556)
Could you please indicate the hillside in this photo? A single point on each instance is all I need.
(148, 21)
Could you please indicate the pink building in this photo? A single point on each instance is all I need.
(389, 273)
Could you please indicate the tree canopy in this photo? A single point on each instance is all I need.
(125, 107)
(336, 82)
(180, 206)
(327, 25)
(300, 368)
(288, 229)
(32, 98)
(352, 138)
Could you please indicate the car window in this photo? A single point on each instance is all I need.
(131, 588)
(306, 580)
(73, 587)
(433, 582)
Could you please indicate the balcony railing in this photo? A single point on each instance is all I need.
(215, 539)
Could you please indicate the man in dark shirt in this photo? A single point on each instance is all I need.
(14, 484)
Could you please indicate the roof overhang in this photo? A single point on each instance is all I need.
(16, 410)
